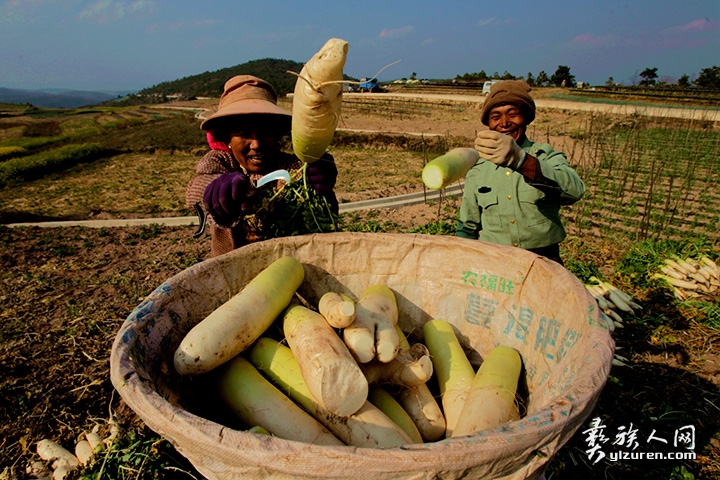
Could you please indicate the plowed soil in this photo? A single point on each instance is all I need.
(65, 292)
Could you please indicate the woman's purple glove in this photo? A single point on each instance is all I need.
(322, 175)
(226, 197)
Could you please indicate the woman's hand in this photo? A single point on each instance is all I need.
(226, 197)
(500, 149)
(321, 175)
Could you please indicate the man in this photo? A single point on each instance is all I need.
(514, 193)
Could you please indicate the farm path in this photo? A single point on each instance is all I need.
(697, 113)
(397, 201)
(669, 111)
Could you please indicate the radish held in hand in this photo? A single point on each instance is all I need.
(449, 168)
(317, 100)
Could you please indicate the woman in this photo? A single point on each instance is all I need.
(245, 134)
(514, 193)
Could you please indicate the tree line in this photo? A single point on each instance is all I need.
(276, 72)
(709, 78)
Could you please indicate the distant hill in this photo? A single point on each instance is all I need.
(55, 98)
(210, 84)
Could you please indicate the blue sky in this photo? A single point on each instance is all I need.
(133, 44)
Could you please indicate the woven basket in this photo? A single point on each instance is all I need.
(491, 294)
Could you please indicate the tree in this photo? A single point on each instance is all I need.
(684, 81)
(709, 78)
(610, 82)
(562, 77)
(473, 77)
(542, 78)
(507, 76)
(530, 79)
(666, 80)
(633, 78)
(649, 75)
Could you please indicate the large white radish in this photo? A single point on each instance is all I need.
(410, 368)
(330, 372)
(84, 452)
(419, 402)
(424, 410)
(452, 368)
(338, 309)
(491, 399)
(237, 323)
(257, 402)
(449, 168)
(317, 100)
(52, 452)
(387, 404)
(373, 334)
(368, 427)
(418, 366)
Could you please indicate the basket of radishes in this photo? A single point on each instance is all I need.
(360, 355)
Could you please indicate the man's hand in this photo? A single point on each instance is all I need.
(226, 197)
(500, 149)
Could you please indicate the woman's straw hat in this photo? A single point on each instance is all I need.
(246, 95)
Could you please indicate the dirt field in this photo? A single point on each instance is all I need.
(65, 292)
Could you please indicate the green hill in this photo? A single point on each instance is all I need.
(210, 84)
